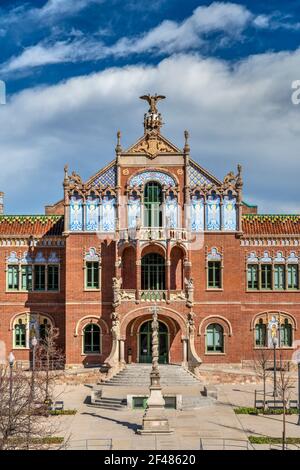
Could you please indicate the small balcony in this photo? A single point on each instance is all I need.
(153, 295)
(127, 295)
(154, 233)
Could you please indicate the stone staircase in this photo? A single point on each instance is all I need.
(135, 378)
(138, 375)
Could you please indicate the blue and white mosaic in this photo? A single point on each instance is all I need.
(162, 178)
(197, 178)
(108, 178)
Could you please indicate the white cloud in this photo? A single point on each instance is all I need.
(49, 13)
(60, 51)
(168, 37)
(235, 114)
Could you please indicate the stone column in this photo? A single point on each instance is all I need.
(155, 420)
(122, 350)
(168, 271)
(138, 271)
(184, 351)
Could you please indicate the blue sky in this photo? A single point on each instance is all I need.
(74, 70)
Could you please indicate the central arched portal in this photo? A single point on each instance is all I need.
(145, 343)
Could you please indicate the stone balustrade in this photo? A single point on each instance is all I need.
(154, 233)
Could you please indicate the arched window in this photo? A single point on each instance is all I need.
(260, 334)
(153, 272)
(91, 339)
(20, 334)
(273, 324)
(286, 334)
(214, 338)
(153, 205)
(28, 325)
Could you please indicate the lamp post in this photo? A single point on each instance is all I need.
(34, 343)
(31, 396)
(298, 363)
(11, 361)
(275, 343)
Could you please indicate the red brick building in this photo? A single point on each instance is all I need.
(152, 226)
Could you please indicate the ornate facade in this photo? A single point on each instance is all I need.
(153, 226)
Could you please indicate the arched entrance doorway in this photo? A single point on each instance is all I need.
(145, 343)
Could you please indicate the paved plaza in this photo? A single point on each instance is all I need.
(211, 423)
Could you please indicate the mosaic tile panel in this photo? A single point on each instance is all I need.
(197, 178)
(108, 178)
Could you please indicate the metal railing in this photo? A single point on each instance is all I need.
(88, 444)
(215, 443)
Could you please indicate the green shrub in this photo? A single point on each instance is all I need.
(62, 412)
(246, 411)
(273, 440)
(267, 411)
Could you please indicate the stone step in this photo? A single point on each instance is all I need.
(138, 375)
(110, 403)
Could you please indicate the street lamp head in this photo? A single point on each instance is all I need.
(275, 341)
(34, 342)
(11, 359)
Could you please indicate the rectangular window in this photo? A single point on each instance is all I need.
(266, 276)
(26, 277)
(293, 276)
(252, 276)
(214, 275)
(92, 275)
(53, 276)
(39, 277)
(13, 277)
(279, 276)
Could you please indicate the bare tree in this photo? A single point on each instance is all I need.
(23, 413)
(261, 368)
(285, 384)
(50, 360)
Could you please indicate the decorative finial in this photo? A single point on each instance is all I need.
(239, 178)
(152, 100)
(118, 146)
(152, 119)
(66, 169)
(186, 144)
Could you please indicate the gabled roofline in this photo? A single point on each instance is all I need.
(176, 149)
(100, 172)
(206, 173)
